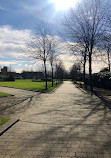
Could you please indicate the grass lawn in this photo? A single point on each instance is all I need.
(3, 94)
(29, 85)
(3, 120)
(67, 79)
(52, 88)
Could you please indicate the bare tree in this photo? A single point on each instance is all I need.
(84, 55)
(60, 71)
(54, 42)
(86, 25)
(79, 51)
(39, 46)
(107, 48)
(75, 71)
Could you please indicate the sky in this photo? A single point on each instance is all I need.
(18, 19)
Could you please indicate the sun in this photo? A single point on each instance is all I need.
(64, 4)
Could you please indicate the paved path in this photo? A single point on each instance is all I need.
(65, 124)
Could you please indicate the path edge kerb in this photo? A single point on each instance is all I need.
(5, 127)
(55, 89)
(6, 96)
(81, 89)
(21, 89)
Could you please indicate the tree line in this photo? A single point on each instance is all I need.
(88, 26)
(44, 46)
(87, 30)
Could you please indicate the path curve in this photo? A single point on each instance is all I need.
(17, 92)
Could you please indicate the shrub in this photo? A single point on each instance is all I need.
(8, 78)
(37, 80)
(48, 79)
(100, 80)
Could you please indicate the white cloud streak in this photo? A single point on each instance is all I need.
(12, 41)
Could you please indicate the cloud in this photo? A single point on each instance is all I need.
(11, 41)
(7, 63)
(18, 70)
(9, 35)
(97, 63)
(68, 60)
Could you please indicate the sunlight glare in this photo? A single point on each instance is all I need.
(64, 4)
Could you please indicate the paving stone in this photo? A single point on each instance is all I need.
(67, 123)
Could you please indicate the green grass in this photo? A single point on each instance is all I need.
(67, 79)
(29, 85)
(3, 94)
(3, 120)
(52, 88)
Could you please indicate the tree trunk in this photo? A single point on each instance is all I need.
(52, 76)
(45, 74)
(109, 67)
(84, 69)
(90, 70)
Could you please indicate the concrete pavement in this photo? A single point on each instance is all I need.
(65, 124)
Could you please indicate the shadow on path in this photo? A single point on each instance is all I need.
(13, 105)
(78, 127)
(106, 101)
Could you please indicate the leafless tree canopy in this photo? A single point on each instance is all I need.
(43, 47)
(86, 25)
